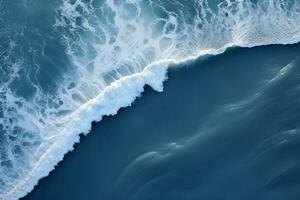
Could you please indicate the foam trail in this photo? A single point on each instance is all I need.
(97, 57)
(119, 94)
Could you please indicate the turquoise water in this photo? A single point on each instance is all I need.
(67, 63)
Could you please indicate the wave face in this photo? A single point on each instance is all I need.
(67, 63)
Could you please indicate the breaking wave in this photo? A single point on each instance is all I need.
(68, 63)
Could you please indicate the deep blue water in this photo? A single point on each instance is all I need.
(225, 127)
(226, 117)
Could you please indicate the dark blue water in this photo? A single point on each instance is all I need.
(227, 113)
(226, 127)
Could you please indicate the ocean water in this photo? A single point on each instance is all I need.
(226, 126)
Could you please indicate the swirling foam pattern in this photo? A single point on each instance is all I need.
(67, 63)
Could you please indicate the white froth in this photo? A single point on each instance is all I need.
(119, 94)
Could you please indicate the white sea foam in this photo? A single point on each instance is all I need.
(117, 49)
(119, 94)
